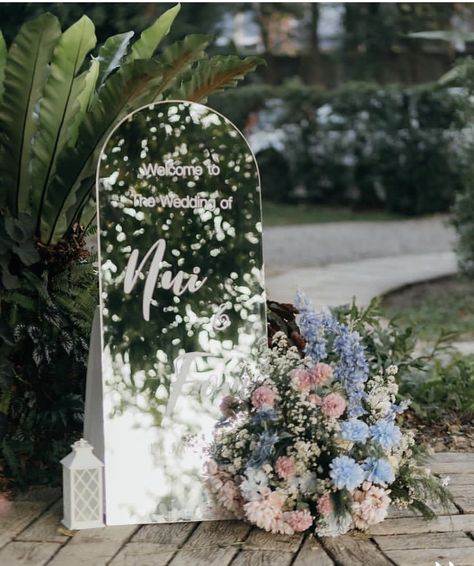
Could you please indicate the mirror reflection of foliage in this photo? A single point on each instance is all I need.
(56, 110)
(224, 244)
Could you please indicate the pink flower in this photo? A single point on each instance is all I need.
(299, 521)
(266, 511)
(320, 373)
(333, 405)
(302, 379)
(324, 505)
(263, 396)
(315, 399)
(370, 505)
(285, 467)
(230, 498)
(228, 405)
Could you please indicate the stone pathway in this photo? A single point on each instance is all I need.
(30, 534)
(334, 262)
(339, 283)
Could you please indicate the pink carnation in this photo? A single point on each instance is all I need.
(302, 379)
(299, 521)
(263, 396)
(230, 498)
(370, 505)
(324, 505)
(320, 373)
(266, 511)
(333, 405)
(285, 467)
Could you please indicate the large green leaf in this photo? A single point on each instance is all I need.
(214, 75)
(174, 61)
(82, 93)
(145, 47)
(111, 54)
(58, 105)
(76, 165)
(25, 73)
(3, 59)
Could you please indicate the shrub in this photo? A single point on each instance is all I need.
(363, 145)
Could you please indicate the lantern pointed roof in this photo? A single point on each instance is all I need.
(81, 457)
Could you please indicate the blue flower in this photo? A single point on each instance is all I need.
(346, 473)
(379, 470)
(396, 410)
(352, 369)
(264, 415)
(386, 434)
(263, 449)
(354, 430)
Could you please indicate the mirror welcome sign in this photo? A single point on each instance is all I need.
(182, 304)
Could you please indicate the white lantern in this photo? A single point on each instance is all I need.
(82, 488)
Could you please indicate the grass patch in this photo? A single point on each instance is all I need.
(446, 304)
(287, 214)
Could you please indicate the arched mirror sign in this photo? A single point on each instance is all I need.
(182, 301)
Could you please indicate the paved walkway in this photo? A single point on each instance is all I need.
(30, 534)
(332, 263)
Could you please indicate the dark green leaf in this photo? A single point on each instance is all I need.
(25, 74)
(58, 105)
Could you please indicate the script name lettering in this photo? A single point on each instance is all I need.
(177, 284)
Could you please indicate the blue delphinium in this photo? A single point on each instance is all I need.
(346, 473)
(263, 449)
(352, 369)
(386, 434)
(379, 470)
(354, 430)
(313, 327)
(264, 416)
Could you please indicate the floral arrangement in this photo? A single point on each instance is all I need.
(315, 441)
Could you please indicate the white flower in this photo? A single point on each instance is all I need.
(334, 525)
(253, 484)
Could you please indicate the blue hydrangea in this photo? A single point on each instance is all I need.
(379, 470)
(396, 409)
(346, 473)
(386, 434)
(263, 449)
(354, 430)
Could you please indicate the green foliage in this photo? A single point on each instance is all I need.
(53, 124)
(43, 352)
(429, 306)
(462, 75)
(446, 389)
(364, 146)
